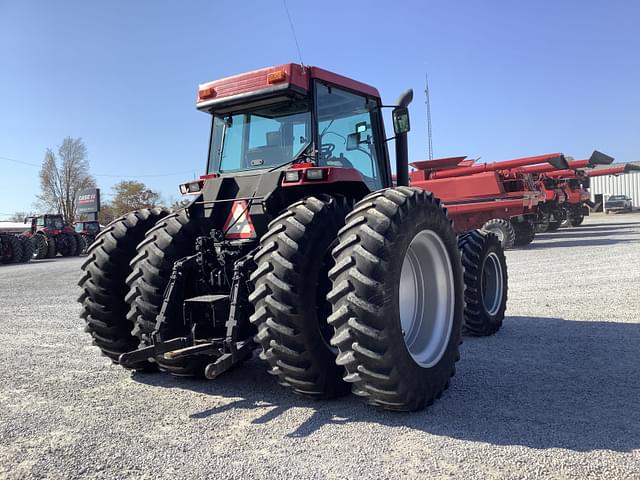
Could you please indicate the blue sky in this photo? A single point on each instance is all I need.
(507, 78)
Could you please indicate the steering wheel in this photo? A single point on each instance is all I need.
(327, 150)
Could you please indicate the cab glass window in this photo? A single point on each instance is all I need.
(262, 138)
(345, 133)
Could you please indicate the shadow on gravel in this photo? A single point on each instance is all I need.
(584, 242)
(606, 226)
(540, 383)
(583, 234)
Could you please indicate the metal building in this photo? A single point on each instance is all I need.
(626, 184)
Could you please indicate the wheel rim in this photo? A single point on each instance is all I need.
(427, 298)
(492, 284)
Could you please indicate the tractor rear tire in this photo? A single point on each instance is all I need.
(40, 245)
(103, 283)
(503, 230)
(397, 298)
(52, 251)
(525, 232)
(66, 244)
(171, 239)
(81, 244)
(27, 249)
(485, 283)
(553, 226)
(15, 246)
(291, 284)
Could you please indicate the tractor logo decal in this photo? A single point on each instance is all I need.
(239, 224)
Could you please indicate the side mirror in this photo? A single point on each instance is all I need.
(353, 141)
(401, 122)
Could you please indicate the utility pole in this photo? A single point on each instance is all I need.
(428, 103)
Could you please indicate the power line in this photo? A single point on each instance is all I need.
(293, 31)
(20, 161)
(107, 174)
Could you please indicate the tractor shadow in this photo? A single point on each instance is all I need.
(582, 234)
(580, 242)
(540, 383)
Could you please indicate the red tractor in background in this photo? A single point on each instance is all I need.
(88, 230)
(496, 196)
(50, 235)
(297, 243)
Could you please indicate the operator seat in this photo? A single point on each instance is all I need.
(269, 154)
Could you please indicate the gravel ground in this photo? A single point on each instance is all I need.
(553, 395)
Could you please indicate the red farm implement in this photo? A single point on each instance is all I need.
(499, 196)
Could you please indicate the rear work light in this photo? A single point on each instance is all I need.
(190, 188)
(292, 176)
(315, 174)
(276, 77)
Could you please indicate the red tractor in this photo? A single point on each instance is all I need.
(88, 230)
(50, 236)
(297, 243)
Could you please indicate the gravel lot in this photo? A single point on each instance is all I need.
(555, 394)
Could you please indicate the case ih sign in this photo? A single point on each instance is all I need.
(89, 200)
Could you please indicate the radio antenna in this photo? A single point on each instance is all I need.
(428, 102)
(293, 31)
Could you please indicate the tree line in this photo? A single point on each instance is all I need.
(65, 173)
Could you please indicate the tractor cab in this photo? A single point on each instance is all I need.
(310, 125)
(47, 223)
(87, 227)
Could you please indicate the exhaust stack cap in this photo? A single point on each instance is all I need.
(405, 99)
(559, 162)
(599, 158)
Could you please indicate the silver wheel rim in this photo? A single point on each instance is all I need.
(427, 298)
(492, 284)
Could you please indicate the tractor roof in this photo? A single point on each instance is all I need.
(272, 80)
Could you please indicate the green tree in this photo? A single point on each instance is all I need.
(131, 195)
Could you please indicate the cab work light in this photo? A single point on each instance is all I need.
(315, 174)
(292, 176)
(190, 188)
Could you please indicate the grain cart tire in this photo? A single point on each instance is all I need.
(485, 282)
(81, 244)
(171, 239)
(397, 299)
(66, 244)
(525, 233)
(291, 284)
(104, 272)
(576, 221)
(52, 251)
(40, 245)
(553, 226)
(27, 249)
(503, 230)
(543, 223)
